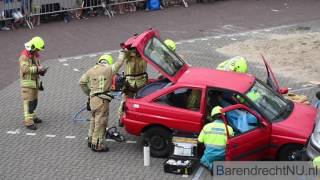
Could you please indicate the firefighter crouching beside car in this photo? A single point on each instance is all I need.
(96, 83)
(214, 137)
(30, 83)
(135, 77)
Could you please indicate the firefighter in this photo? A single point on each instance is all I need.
(135, 77)
(30, 83)
(214, 137)
(235, 64)
(96, 83)
(170, 44)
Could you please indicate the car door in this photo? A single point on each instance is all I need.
(172, 110)
(158, 55)
(252, 144)
(272, 80)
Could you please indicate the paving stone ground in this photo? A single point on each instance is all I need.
(58, 150)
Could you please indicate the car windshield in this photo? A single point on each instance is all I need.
(270, 104)
(166, 59)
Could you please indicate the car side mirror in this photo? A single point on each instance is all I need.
(284, 90)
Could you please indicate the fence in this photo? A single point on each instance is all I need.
(13, 9)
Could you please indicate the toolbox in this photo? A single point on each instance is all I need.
(183, 158)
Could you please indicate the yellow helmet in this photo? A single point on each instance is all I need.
(170, 44)
(216, 110)
(253, 95)
(240, 65)
(36, 43)
(105, 58)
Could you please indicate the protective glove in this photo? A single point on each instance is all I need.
(42, 71)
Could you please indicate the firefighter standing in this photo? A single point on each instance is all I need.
(30, 83)
(135, 78)
(214, 137)
(96, 83)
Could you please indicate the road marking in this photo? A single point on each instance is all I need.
(93, 55)
(190, 41)
(178, 43)
(131, 142)
(62, 60)
(185, 175)
(65, 64)
(70, 137)
(198, 173)
(31, 134)
(307, 85)
(267, 30)
(79, 57)
(50, 135)
(12, 132)
(204, 39)
(275, 10)
(233, 39)
(304, 88)
(75, 69)
(217, 37)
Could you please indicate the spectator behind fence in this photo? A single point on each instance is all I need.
(3, 26)
(11, 12)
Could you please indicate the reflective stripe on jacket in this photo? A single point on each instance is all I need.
(214, 134)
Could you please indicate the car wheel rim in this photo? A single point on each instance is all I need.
(157, 142)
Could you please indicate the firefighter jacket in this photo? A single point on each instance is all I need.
(98, 79)
(29, 77)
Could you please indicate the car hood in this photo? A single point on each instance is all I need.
(299, 124)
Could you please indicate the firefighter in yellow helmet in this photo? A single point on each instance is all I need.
(135, 77)
(214, 137)
(193, 99)
(30, 69)
(170, 44)
(96, 83)
(235, 64)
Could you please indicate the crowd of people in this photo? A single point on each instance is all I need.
(29, 13)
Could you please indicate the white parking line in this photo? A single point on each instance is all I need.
(31, 134)
(70, 137)
(233, 39)
(217, 37)
(131, 142)
(62, 60)
(198, 173)
(50, 135)
(65, 64)
(75, 69)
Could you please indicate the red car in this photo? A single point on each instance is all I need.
(183, 98)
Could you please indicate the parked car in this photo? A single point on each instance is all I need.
(163, 106)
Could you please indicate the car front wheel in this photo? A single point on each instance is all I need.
(160, 141)
(290, 152)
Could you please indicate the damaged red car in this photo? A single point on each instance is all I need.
(167, 105)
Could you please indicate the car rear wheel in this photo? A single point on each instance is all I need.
(289, 152)
(160, 141)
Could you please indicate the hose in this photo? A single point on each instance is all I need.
(76, 115)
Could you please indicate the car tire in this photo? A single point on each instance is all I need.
(160, 141)
(287, 153)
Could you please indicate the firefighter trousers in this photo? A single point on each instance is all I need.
(98, 121)
(30, 102)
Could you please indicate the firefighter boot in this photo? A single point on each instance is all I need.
(37, 120)
(32, 127)
(99, 147)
